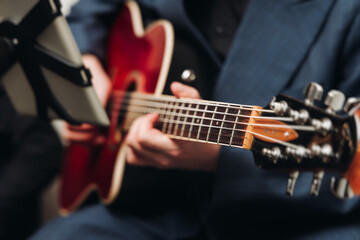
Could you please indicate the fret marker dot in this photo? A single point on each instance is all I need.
(217, 123)
(286, 134)
(197, 120)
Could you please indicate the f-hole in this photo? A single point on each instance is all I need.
(131, 87)
(134, 82)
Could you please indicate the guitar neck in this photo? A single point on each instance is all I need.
(193, 120)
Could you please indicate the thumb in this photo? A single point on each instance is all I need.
(182, 90)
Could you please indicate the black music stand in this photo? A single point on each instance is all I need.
(41, 67)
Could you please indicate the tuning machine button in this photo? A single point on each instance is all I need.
(351, 103)
(297, 153)
(341, 188)
(322, 126)
(300, 117)
(273, 154)
(188, 75)
(324, 152)
(293, 176)
(312, 92)
(280, 108)
(334, 101)
(316, 183)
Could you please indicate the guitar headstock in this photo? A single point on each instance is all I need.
(304, 137)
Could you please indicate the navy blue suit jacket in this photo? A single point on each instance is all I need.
(280, 47)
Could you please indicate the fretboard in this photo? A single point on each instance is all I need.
(192, 120)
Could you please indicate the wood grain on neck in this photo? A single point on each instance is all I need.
(194, 120)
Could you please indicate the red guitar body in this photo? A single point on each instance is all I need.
(136, 58)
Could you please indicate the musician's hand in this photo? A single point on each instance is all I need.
(147, 146)
(102, 86)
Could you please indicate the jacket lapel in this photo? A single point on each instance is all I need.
(174, 11)
(269, 47)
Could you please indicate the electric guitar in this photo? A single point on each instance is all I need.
(288, 134)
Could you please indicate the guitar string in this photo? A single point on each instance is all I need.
(180, 114)
(165, 113)
(171, 99)
(233, 106)
(177, 107)
(190, 102)
(235, 141)
(204, 141)
(241, 138)
(136, 102)
(122, 94)
(201, 128)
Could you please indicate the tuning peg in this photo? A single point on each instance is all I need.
(312, 92)
(350, 104)
(316, 183)
(293, 176)
(341, 188)
(273, 154)
(324, 151)
(334, 100)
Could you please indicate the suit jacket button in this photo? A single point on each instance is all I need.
(188, 75)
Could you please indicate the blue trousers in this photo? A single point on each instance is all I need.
(99, 222)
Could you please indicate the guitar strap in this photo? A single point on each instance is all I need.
(19, 44)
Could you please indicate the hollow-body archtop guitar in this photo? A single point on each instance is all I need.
(288, 134)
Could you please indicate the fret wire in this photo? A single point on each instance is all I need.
(211, 121)
(193, 119)
(127, 121)
(222, 125)
(202, 119)
(234, 128)
(177, 123)
(171, 118)
(185, 120)
(164, 125)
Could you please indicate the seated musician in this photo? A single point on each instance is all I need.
(246, 52)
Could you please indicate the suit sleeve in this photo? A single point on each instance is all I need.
(350, 59)
(90, 21)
